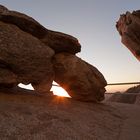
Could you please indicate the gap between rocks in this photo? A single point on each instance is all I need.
(57, 90)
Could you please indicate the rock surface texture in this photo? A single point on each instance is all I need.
(28, 116)
(129, 28)
(59, 42)
(23, 58)
(81, 80)
(30, 53)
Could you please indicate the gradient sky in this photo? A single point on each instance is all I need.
(93, 23)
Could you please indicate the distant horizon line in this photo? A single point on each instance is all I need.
(111, 84)
(127, 83)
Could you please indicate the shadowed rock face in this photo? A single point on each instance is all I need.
(23, 58)
(81, 80)
(128, 26)
(59, 42)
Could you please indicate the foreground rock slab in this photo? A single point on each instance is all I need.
(128, 26)
(81, 80)
(59, 42)
(28, 116)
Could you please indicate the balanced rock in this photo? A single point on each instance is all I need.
(30, 53)
(81, 80)
(24, 59)
(59, 42)
(129, 28)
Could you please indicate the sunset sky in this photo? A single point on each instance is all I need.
(93, 23)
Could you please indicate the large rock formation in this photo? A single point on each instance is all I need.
(81, 80)
(129, 28)
(59, 42)
(24, 59)
(26, 52)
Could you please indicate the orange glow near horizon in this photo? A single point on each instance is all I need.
(118, 88)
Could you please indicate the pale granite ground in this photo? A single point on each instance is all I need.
(26, 116)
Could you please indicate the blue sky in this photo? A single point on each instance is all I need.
(93, 23)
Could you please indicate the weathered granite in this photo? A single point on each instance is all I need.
(128, 26)
(24, 58)
(58, 41)
(81, 80)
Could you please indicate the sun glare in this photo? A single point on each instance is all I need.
(59, 91)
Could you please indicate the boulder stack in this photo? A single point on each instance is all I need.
(30, 53)
(128, 27)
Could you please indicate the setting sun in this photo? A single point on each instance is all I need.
(59, 91)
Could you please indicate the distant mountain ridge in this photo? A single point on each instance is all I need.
(135, 89)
